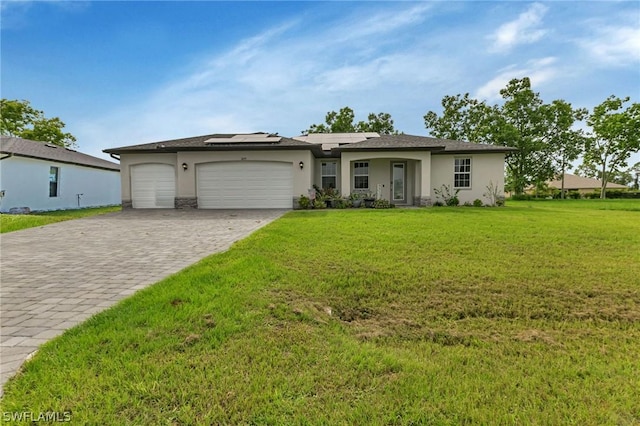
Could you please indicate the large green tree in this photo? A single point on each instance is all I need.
(566, 144)
(615, 134)
(20, 119)
(539, 131)
(343, 122)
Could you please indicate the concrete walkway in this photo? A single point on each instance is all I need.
(56, 276)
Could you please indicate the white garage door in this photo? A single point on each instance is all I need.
(153, 186)
(245, 185)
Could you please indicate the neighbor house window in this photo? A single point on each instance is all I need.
(462, 173)
(54, 174)
(361, 175)
(329, 175)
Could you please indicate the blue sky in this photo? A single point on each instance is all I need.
(121, 73)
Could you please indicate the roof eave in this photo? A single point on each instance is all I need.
(211, 149)
(389, 149)
(76, 163)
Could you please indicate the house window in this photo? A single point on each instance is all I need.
(54, 174)
(462, 173)
(329, 175)
(361, 175)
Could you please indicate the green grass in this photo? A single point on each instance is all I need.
(528, 314)
(16, 222)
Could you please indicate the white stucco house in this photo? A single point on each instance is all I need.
(262, 170)
(42, 176)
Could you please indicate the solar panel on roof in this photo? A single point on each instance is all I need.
(252, 138)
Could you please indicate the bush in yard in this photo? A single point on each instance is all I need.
(574, 195)
(477, 203)
(382, 204)
(450, 198)
(304, 202)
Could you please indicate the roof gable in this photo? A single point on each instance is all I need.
(45, 151)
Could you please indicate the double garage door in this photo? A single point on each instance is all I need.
(244, 185)
(223, 185)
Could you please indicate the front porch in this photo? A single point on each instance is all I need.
(403, 178)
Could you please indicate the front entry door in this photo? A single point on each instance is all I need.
(398, 186)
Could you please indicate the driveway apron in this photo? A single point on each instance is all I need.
(56, 276)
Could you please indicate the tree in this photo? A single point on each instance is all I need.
(635, 172)
(539, 131)
(615, 134)
(342, 122)
(622, 177)
(463, 118)
(19, 119)
(566, 143)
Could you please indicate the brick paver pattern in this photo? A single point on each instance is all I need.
(56, 276)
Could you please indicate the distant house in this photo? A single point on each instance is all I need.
(261, 170)
(582, 184)
(42, 176)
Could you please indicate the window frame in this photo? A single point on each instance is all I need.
(334, 175)
(462, 172)
(54, 184)
(361, 175)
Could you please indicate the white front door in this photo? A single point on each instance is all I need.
(398, 184)
(153, 186)
(245, 185)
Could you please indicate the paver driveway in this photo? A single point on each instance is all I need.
(55, 276)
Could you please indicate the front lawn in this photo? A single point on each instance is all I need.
(528, 314)
(16, 222)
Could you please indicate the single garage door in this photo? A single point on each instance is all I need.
(153, 186)
(245, 185)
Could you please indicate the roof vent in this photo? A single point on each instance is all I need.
(51, 145)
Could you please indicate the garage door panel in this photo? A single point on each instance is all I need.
(152, 186)
(244, 184)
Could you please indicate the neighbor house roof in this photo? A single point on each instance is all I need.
(411, 142)
(44, 151)
(219, 142)
(579, 182)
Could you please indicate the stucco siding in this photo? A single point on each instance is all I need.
(186, 179)
(380, 172)
(26, 184)
(485, 168)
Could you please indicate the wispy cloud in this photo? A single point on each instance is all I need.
(538, 70)
(614, 46)
(525, 29)
(274, 80)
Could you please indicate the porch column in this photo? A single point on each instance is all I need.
(425, 181)
(345, 176)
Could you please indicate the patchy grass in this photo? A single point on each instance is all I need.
(528, 314)
(16, 222)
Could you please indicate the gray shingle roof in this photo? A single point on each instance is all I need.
(411, 142)
(44, 151)
(199, 143)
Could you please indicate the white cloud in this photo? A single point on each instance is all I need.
(278, 79)
(614, 45)
(523, 30)
(538, 70)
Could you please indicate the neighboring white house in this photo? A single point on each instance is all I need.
(42, 176)
(262, 170)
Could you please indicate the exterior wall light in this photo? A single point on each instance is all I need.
(185, 166)
(301, 165)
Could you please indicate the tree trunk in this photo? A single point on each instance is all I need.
(603, 189)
